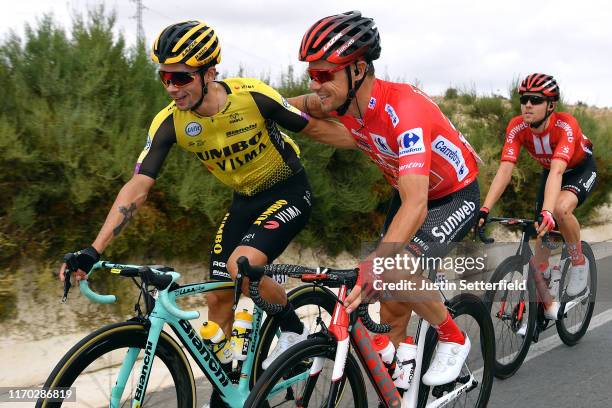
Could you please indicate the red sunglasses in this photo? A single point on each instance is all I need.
(178, 79)
(325, 75)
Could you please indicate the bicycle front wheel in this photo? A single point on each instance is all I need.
(577, 311)
(314, 305)
(289, 382)
(92, 367)
(476, 377)
(514, 315)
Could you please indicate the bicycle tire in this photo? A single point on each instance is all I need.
(563, 325)
(301, 296)
(466, 304)
(298, 359)
(504, 365)
(118, 336)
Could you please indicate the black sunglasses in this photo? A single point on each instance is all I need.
(177, 78)
(534, 99)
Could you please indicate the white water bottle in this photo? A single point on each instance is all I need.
(406, 363)
(386, 350)
(241, 334)
(555, 279)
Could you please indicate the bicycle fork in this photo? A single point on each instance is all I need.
(128, 364)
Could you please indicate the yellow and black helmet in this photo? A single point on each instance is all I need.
(190, 42)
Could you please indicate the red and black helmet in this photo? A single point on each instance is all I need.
(341, 38)
(540, 83)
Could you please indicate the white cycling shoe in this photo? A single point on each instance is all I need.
(285, 341)
(447, 362)
(578, 275)
(552, 311)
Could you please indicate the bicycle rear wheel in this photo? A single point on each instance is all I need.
(514, 315)
(472, 317)
(93, 364)
(308, 390)
(575, 321)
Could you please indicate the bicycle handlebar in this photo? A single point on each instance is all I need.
(162, 280)
(523, 222)
(333, 278)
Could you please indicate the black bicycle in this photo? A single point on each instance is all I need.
(518, 315)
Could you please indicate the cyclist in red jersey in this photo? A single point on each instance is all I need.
(555, 140)
(430, 164)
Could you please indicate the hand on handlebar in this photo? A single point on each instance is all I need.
(544, 223)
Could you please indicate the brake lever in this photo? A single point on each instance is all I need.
(71, 265)
(237, 290)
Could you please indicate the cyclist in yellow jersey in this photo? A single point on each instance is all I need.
(231, 126)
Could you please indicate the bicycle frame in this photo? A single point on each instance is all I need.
(166, 312)
(371, 361)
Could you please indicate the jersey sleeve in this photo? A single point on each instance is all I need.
(567, 141)
(160, 139)
(273, 106)
(412, 127)
(512, 143)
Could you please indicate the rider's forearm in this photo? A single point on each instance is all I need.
(130, 198)
(329, 132)
(552, 191)
(299, 102)
(405, 224)
(498, 186)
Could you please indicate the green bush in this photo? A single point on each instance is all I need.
(75, 110)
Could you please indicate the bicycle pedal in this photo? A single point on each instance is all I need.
(439, 390)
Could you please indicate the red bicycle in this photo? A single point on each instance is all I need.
(323, 371)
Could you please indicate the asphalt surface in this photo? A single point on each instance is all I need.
(553, 374)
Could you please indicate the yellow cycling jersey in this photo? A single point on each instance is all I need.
(241, 145)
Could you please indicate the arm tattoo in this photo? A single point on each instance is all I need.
(128, 214)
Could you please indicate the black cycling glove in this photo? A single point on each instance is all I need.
(86, 258)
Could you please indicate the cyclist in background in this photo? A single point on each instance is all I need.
(555, 140)
(429, 163)
(232, 128)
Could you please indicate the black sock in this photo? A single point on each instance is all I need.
(289, 320)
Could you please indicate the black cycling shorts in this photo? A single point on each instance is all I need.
(580, 180)
(449, 219)
(267, 221)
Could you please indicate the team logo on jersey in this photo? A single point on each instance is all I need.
(382, 145)
(391, 112)
(193, 129)
(452, 154)
(372, 103)
(235, 117)
(148, 143)
(411, 142)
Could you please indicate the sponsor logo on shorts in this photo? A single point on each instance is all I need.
(271, 224)
(148, 143)
(193, 129)
(270, 211)
(589, 183)
(411, 142)
(452, 154)
(217, 248)
(248, 238)
(287, 214)
(458, 218)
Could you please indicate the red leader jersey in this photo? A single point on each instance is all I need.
(562, 140)
(404, 132)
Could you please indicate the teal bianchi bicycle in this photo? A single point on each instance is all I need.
(139, 362)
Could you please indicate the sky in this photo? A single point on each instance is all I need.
(472, 45)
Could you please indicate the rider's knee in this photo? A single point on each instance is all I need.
(218, 300)
(562, 211)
